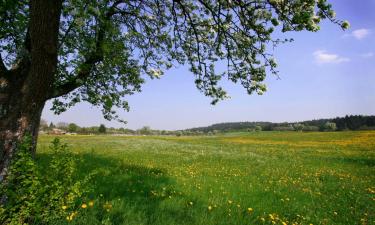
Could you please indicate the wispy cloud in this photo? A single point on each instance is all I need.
(322, 57)
(359, 34)
(368, 55)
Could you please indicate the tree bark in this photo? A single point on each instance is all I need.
(25, 88)
(16, 121)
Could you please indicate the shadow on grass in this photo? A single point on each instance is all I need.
(134, 191)
(356, 160)
(361, 161)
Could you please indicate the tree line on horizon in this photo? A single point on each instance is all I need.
(73, 128)
(349, 122)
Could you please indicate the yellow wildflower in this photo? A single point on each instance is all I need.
(91, 203)
(84, 206)
(70, 218)
(64, 207)
(107, 206)
(209, 208)
(250, 210)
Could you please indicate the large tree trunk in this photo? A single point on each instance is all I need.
(17, 120)
(25, 88)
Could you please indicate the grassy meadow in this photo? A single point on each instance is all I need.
(236, 178)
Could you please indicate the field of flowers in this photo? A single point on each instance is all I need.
(238, 178)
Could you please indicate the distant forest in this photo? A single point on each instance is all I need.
(336, 124)
(352, 122)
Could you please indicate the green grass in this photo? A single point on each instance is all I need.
(290, 177)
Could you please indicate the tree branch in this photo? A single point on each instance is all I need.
(92, 59)
(22, 63)
(83, 73)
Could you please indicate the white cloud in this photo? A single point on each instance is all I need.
(367, 55)
(360, 33)
(322, 57)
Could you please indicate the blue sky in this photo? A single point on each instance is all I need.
(322, 75)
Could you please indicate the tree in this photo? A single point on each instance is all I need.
(257, 128)
(83, 130)
(97, 51)
(102, 129)
(146, 130)
(298, 126)
(43, 125)
(330, 126)
(62, 125)
(51, 126)
(72, 127)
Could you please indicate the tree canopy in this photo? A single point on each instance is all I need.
(102, 128)
(105, 47)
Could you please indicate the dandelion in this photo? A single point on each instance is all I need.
(230, 202)
(190, 203)
(91, 203)
(72, 215)
(250, 210)
(107, 206)
(84, 206)
(64, 207)
(209, 208)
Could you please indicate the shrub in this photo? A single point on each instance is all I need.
(258, 128)
(283, 128)
(20, 192)
(33, 195)
(329, 126)
(298, 126)
(310, 128)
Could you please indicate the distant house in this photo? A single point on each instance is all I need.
(56, 131)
